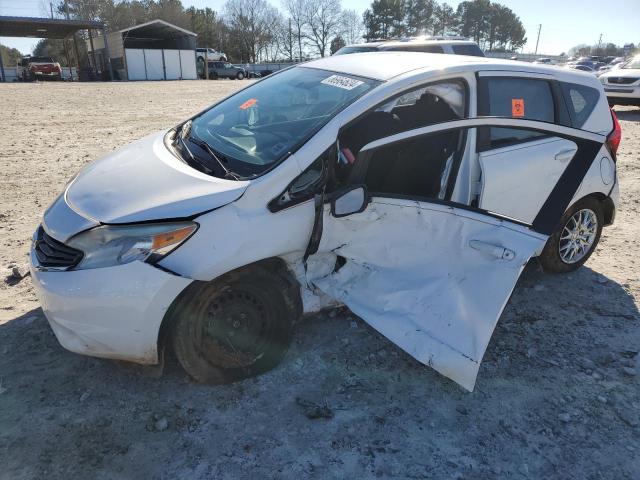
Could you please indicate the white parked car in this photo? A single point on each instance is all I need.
(211, 54)
(622, 84)
(412, 188)
(428, 44)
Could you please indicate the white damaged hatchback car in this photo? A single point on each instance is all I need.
(412, 188)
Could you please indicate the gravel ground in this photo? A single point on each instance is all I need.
(558, 394)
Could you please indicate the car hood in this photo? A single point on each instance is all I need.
(622, 72)
(145, 181)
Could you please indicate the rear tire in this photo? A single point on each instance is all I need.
(237, 326)
(578, 233)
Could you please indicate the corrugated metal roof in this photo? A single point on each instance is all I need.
(43, 27)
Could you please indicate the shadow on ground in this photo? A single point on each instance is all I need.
(630, 115)
(555, 398)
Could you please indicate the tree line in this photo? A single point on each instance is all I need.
(246, 30)
(492, 25)
(255, 30)
(604, 49)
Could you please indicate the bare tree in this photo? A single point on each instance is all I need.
(324, 22)
(273, 41)
(352, 27)
(297, 10)
(249, 21)
(287, 38)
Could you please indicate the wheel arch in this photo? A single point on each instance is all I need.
(274, 265)
(608, 207)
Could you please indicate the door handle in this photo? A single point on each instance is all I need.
(493, 250)
(565, 155)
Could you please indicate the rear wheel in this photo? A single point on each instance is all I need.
(573, 242)
(235, 327)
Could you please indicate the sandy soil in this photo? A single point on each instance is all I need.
(558, 395)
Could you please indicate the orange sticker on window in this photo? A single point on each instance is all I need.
(517, 107)
(249, 103)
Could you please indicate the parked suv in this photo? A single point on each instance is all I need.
(622, 84)
(450, 45)
(412, 188)
(226, 70)
(210, 54)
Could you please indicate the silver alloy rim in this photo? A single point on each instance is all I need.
(578, 236)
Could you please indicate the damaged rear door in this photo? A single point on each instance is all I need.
(430, 274)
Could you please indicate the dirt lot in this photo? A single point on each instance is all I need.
(558, 394)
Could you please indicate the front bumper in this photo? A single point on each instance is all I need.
(112, 312)
(622, 91)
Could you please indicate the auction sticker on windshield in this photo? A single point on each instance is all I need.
(249, 103)
(342, 82)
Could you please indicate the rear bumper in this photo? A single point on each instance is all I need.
(112, 312)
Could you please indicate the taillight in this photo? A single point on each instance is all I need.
(613, 139)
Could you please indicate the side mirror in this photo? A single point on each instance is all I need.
(353, 200)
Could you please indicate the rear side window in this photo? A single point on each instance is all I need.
(417, 48)
(581, 100)
(471, 50)
(524, 98)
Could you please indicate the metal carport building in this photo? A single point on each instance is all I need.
(156, 50)
(47, 28)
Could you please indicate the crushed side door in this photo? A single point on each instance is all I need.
(434, 276)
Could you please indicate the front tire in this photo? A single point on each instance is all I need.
(240, 76)
(576, 238)
(237, 326)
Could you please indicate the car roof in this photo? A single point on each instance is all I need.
(415, 41)
(384, 66)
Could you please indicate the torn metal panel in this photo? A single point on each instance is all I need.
(438, 297)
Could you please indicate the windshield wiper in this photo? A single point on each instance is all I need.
(184, 130)
(202, 144)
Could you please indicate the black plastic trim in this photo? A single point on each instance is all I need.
(558, 200)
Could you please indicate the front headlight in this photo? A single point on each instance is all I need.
(107, 246)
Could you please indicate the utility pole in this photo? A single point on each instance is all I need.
(599, 44)
(51, 7)
(538, 40)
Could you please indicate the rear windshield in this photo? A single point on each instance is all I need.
(41, 60)
(345, 50)
(581, 100)
(471, 50)
(416, 48)
(261, 125)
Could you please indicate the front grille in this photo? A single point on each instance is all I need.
(54, 254)
(622, 80)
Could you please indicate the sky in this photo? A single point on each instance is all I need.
(565, 23)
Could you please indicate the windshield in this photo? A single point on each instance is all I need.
(41, 60)
(345, 50)
(634, 63)
(261, 125)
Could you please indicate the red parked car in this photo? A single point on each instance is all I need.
(39, 68)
